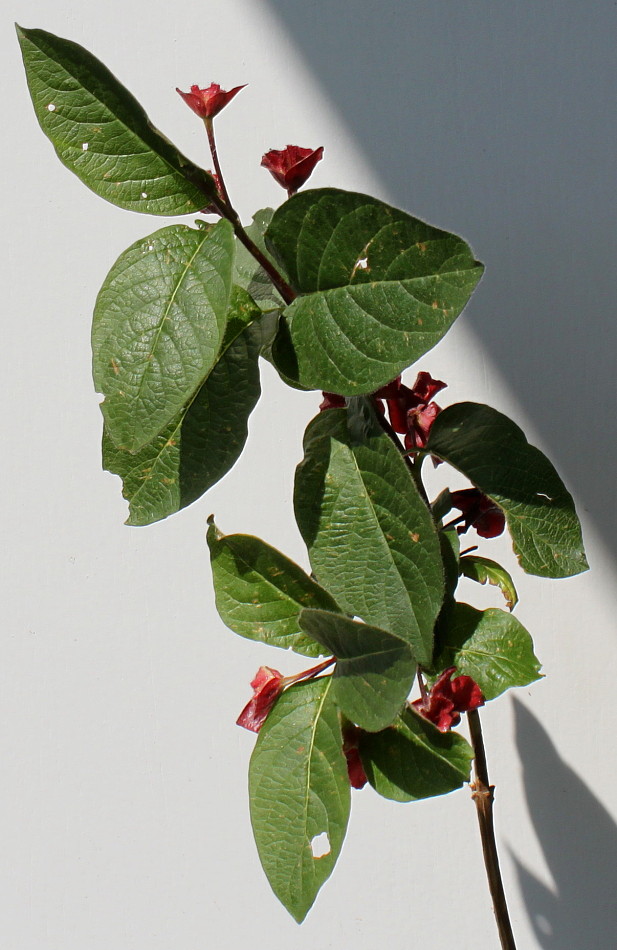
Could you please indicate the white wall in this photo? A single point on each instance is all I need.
(123, 788)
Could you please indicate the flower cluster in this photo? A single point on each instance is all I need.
(411, 410)
(448, 698)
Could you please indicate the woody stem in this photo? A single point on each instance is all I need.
(226, 209)
(483, 795)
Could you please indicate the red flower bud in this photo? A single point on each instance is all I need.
(207, 103)
(479, 512)
(291, 166)
(448, 698)
(355, 769)
(267, 687)
(332, 401)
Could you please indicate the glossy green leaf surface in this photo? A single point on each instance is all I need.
(412, 759)
(198, 447)
(374, 670)
(260, 593)
(158, 327)
(299, 791)
(485, 571)
(494, 454)
(491, 646)
(378, 288)
(371, 539)
(102, 134)
(248, 273)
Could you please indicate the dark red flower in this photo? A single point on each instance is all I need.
(207, 103)
(411, 411)
(332, 401)
(291, 166)
(448, 698)
(479, 512)
(355, 769)
(267, 687)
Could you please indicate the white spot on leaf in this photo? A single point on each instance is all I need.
(144, 194)
(320, 845)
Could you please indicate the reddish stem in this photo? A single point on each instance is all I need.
(483, 795)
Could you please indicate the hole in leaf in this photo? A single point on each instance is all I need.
(84, 147)
(361, 264)
(144, 194)
(51, 107)
(320, 845)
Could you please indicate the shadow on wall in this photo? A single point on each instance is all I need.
(487, 118)
(579, 841)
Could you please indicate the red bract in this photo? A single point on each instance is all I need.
(448, 698)
(291, 166)
(479, 512)
(411, 411)
(332, 401)
(355, 769)
(267, 687)
(207, 103)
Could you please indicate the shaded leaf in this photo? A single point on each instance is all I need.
(371, 538)
(494, 454)
(260, 593)
(412, 759)
(378, 288)
(483, 570)
(103, 135)
(374, 670)
(158, 327)
(491, 646)
(198, 447)
(299, 790)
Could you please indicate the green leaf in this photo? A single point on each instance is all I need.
(494, 454)
(299, 790)
(251, 275)
(371, 539)
(450, 552)
(374, 670)
(260, 593)
(378, 288)
(103, 135)
(412, 759)
(483, 570)
(491, 646)
(198, 447)
(159, 323)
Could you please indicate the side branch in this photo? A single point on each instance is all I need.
(483, 796)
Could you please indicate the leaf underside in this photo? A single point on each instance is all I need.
(493, 453)
(260, 593)
(299, 790)
(412, 759)
(491, 646)
(374, 670)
